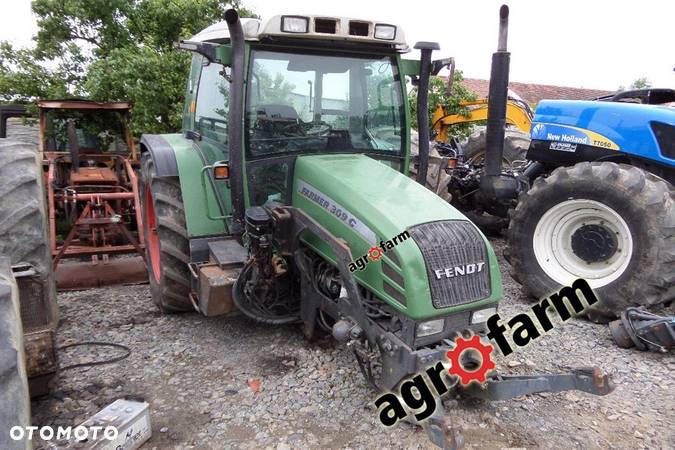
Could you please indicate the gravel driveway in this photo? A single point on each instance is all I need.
(194, 372)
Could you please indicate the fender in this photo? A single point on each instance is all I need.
(175, 156)
(162, 155)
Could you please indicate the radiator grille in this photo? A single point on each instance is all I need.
(456, 260)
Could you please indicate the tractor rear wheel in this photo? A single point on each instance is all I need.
(516, 144)
(24, 239)
(166, 240)
(14, 397)
(611, 224)
(23, 212)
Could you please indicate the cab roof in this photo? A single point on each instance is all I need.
(319, 28)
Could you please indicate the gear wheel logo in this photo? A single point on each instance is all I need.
(375, 253)
(467, 376)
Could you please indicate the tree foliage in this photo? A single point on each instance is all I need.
(451, 103)
(640, 83)
(111, 50)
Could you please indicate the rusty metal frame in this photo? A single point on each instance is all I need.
(87, 105)
(101, 199)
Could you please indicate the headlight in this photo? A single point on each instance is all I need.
(430, 327)
(387, 32)
(294, 24)
(482, 315)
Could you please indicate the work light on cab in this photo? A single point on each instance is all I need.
(387, 32)
(294, 24)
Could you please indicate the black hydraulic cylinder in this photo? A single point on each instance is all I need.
(235, 119)
(423, 108)
(498, 96)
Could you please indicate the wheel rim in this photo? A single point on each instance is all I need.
(582, 239)
(152, 238)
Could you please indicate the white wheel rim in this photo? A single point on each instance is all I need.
(553, 243)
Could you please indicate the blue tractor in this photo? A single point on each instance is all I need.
(595, 198)
(599, 203)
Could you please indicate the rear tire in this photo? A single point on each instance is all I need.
(24, 239)
(14, 398)
(167, 247)
(23, 212)
(612, 224)
(516, 144)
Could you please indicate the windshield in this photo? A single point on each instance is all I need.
(97, 131)
(309, 103)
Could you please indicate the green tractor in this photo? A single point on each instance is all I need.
(286, 197)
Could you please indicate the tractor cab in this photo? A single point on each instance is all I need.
(310, 86)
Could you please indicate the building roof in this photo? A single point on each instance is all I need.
(533, 93)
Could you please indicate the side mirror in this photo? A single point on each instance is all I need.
(217, 53)
(448, 63)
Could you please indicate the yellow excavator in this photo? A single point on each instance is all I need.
(518, 119)
(518, 114)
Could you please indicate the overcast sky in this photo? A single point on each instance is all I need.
(579, 43)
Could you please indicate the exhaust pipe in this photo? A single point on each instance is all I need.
(236, 116)
(492, 183)
(423, 108)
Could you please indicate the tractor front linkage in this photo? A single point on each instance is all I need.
(385, 360)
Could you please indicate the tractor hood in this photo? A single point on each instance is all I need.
(434, 261)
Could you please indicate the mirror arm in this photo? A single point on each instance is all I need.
(438, 65)
(206, 49)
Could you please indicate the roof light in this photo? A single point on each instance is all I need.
(387, 32)
(294, 24)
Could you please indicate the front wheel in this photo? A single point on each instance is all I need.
(167, 247)
(610, 224)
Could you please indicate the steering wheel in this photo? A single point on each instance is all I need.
(317, 128)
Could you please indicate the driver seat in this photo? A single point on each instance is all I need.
(277, 113)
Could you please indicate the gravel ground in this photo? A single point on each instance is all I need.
(194, 373)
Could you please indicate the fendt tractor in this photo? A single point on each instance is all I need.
(286, 197)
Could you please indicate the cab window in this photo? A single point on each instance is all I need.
(212, 103)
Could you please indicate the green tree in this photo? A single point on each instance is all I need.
(438, 96)
(640, 83)
(111, 50)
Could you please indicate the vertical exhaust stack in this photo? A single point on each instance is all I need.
(423, 108)
(492, 183)
(235, 120)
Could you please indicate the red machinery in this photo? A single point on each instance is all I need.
(92, 192)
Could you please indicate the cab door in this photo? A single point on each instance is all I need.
(210, 110)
